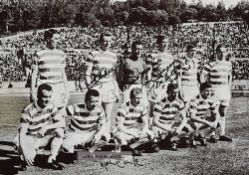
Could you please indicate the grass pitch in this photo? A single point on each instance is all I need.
(220, 158)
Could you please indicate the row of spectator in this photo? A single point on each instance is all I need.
(18, 51)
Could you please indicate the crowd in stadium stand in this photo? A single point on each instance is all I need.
(17, 51)
(240, 69)
(10, 68)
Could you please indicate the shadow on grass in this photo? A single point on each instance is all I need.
(6, 143)
(9, 162)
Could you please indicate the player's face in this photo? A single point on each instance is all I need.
(92, 102)
(135, 100)
(137, 50)
(220, 53)
(162, 45)
(105, 43)
(191, 52)
(206, 93)
(44, 98)
(52, 42)
(172, 94)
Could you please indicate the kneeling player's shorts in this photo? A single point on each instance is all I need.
(189, 92)
(108, 91)
(32, 142)
(194, 125)
(125, 138)
(77, 138)
(159, 131)
(223, 94)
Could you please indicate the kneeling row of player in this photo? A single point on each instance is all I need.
(41, 122)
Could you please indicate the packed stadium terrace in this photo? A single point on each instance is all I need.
(17, 51)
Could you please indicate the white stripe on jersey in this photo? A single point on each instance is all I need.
(199, 106)
(38, 117)
(167, 110)
(131, 114)
(51, 65)
(84, 120)
(219, 73)
(163, 59)
(189, 76)
(105, 60)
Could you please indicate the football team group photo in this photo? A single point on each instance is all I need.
(124, 87)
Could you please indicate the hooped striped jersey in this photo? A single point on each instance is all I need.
(51, 65)
(159, 63)
(199, 106)
(37, 117)
(220, 72)
(206, 70)
(84, 120)
(101, 63)
(189, 73)
(167, 110)
(132, 114)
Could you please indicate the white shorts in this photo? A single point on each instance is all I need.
(77, 138)
(127, 91)
(223, 94)
(32, 142)
(198, 125)
(189, 92)
(159, 131)
(126, 138)
(108, 91)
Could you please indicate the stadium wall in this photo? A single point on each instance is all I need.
(240, 85)
(19, 87)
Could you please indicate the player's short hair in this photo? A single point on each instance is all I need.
(211, 58)
(42, 87)
(91, 93)
(135, 43)
(135, 92)
(160, 38)
(102, 35)
(189, 47)
(205, 85)
(218, 48)
(171, 87)
(49, 33)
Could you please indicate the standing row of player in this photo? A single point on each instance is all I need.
(155, 90)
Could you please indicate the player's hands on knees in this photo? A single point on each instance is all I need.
(172, 131)
(178, 131)
(96, 138)
(144, 133)
(213, 124)
(41, 133)
(136, 135)
(106, 137)
(29, 157)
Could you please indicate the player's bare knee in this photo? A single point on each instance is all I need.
(60, 132)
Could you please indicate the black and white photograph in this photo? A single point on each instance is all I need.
(124, 87)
